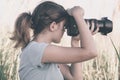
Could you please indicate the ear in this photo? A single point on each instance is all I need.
(53, 26)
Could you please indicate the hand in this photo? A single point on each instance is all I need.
(76, 10)
(75, 40)
(92, 28)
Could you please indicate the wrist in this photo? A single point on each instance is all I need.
(75, 43)
(79, 18)
(78, 15)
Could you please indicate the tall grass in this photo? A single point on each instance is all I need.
(117, 52)
(8, 59)
(101, 68)
(105, 66)
(118, 55)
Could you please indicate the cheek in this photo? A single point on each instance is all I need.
(61, 35)
(62, 31)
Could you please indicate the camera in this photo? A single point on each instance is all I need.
(104, 24)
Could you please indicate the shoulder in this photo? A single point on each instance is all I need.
(36, 45)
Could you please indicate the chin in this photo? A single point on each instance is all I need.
(57, 41)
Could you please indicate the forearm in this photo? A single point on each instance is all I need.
(87, 41)
(73, 72)
(76, 71)
(66, 72)
(76, 68)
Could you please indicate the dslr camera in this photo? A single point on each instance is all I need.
(104, 24)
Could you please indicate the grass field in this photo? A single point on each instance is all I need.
(103, 67)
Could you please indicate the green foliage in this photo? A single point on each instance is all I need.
(117, 52)
(3, 76)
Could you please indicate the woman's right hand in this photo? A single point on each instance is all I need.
(75, 40)
(76, 11)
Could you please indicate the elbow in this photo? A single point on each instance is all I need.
(88, 54)
(93, 53)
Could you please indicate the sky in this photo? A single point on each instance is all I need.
(10, 9)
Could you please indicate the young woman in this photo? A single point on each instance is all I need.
(41, 60)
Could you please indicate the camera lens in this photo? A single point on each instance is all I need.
(89, 21)
(105, 26)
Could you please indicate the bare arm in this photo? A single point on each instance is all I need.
(74, 72)
(85, 34)
(66, 72)
(76, 68)
(57, 54)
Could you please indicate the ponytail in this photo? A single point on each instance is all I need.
(21, 33)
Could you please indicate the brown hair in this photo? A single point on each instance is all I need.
(43, 15)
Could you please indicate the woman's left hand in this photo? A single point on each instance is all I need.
(92, 28)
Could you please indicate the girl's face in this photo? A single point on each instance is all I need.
(60, 31)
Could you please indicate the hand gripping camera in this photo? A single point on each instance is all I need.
(105, 26)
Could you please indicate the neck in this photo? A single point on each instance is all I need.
(43, 38)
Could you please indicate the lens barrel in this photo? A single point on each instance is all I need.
(105, 26)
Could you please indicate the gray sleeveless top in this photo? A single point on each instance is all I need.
(31, 67)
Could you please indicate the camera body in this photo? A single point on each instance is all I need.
(105, 26)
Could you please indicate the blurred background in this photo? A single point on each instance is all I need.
(104, 67)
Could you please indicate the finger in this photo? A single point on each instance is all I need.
(92, 26)
(69, 11)
(88, 24)
(96, 31)
(76, 37)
